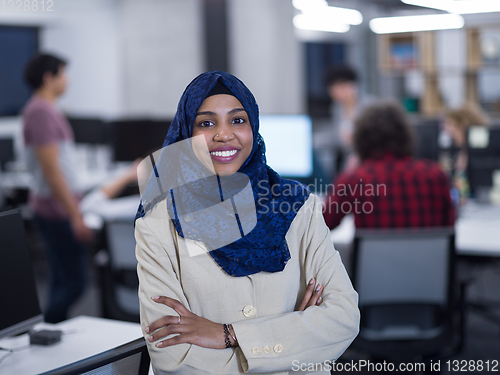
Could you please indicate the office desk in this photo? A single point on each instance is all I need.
(120, 209)
(477, 231)
(15, 180)
(87, 178)
(84, 339)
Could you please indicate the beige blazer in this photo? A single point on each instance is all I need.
(272, 337)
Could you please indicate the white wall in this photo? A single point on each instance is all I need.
(87, 34)
(266, 55)
(162, 53)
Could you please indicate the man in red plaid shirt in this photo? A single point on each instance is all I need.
(389, 188)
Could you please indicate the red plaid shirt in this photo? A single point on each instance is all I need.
(390, 192)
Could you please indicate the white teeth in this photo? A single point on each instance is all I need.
(224, 153)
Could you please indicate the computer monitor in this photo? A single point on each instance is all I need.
(6, 151)
(18, 296)
(426, 139)
(133, 139)
(288, 141)
(483, 147)
(89, 130)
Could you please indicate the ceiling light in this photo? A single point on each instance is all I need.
(336, 14)
(388, 25)
(309, 4)
(459, 6)
(317, 22)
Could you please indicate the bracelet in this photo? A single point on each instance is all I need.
(227, 334)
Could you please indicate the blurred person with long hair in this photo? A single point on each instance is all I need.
(457, 123)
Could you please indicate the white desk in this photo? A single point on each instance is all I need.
(15, 180)
(477, 231)
(122, 209)
(83, 337)
(87, 178)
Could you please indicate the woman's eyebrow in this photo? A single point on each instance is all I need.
(210, 113)
(236, 110)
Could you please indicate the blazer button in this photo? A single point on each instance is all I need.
(278, 348)
(256, 351)
(249, 311)
(266, 349)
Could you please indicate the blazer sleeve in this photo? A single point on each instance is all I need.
(158, 275)
(317, 334)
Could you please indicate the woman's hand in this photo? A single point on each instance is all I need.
(312, 296)
(189, 328)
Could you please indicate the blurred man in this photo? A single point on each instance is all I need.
(54, 197)
(348, 101)
(389, 189)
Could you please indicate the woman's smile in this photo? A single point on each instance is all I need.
(225, 154)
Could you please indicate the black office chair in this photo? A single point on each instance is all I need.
(407, 294)
(117, 269)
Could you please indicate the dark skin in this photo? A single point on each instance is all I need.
(196, 330)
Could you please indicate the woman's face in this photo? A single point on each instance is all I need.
(227, 130)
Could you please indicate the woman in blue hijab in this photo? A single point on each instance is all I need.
(236, 269)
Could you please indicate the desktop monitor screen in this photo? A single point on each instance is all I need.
(288, 141)
(18, 296)
(483, 146)
(6, 151)
(89, 130)
(426, 140)
(136, 138)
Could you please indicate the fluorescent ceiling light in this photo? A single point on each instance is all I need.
(459, 6)
(309, 4)
(336, 14)
(317, 23)
(388, 25)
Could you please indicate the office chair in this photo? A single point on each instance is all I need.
(407, 294)
(117, 267)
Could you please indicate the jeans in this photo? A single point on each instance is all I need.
(67, 267)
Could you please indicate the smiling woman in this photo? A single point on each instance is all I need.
(277, 292)
(224, 122)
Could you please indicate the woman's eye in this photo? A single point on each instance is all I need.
(239, 120)
(205, 124)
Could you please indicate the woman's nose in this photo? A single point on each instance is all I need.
(224, 133)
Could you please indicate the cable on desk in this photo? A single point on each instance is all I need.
(6, 355)
(11, 351)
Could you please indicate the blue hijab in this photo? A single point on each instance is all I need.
(277, 200)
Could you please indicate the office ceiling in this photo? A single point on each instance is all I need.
(382, 4)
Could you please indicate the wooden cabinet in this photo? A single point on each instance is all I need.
(399, 53)
(477, 67)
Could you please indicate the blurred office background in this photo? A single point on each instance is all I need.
(130, 60)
